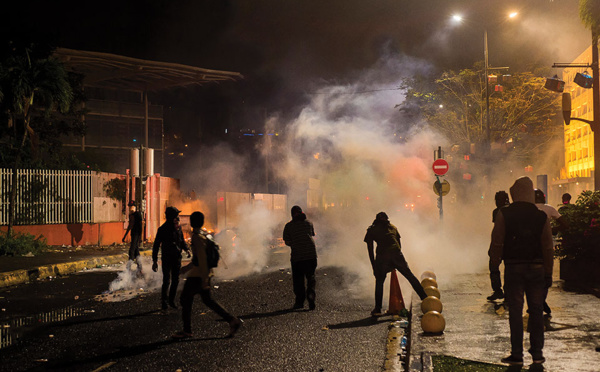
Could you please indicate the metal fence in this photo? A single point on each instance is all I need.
(48, 196)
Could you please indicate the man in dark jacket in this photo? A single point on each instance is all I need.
(135, 226)
(169, 238)
(501, 202)
(298, 234)
(389, 257)
(522, 238)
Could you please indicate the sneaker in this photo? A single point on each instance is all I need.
(496, 296)
(512, 360)
(377, 312)
(182, 335)
(298, 306)
(173, 305)
(539, 360)
(597, 348)
(311, 305)
(165, 306)
(234, 325)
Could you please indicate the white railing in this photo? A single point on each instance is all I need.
(48, 196)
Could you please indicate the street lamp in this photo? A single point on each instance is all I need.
(488, 145)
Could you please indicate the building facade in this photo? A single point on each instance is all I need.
(577, 174)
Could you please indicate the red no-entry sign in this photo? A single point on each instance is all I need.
(440, 167)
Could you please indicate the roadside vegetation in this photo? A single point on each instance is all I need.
(21, 244)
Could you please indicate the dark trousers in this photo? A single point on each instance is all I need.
(192, 287)
(528, 280)
(495, 278)
(170, 269)
(385, 263)
(134, 247)
(304, 270)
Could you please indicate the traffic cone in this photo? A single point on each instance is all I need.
(396, 303)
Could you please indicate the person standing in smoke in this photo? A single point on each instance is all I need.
(135, 226)
(501, 202)
(522, 238)
(169, 238)
(298, 234)
(389, 257)
(198, 281)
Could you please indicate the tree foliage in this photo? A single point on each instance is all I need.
(582, 237)
(523, 115)
(589, 12)
(40, 102)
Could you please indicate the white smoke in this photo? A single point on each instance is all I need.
(130, 278)
(253, 238)
(351, 140)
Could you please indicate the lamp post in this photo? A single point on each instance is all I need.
(488, 132)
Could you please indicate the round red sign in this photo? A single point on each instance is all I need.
(440, 167)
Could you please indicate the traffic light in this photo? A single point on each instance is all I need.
(583, 80)
(555, 84)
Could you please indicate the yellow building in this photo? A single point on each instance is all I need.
(577, 173)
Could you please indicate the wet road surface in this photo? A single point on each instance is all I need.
(134, 335)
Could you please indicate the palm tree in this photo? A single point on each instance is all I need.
(31, 82)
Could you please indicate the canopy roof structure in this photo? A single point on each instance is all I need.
(105, 70)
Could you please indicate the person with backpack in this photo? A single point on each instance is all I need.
(169, 238)
(199, 271)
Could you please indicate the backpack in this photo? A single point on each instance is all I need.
(212, 252)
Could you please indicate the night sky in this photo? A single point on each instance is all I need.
(286, 49)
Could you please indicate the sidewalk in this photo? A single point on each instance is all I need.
(476, 330)
(60, 261)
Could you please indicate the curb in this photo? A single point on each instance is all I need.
(420, 362)
(395, 351)
(25, 276)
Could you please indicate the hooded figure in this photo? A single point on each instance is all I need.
(522, 238)
(298, 234)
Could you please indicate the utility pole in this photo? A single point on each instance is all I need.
(595, 122)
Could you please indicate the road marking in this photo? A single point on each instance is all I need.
(104, 366)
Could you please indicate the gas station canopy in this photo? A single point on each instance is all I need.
(105, 70)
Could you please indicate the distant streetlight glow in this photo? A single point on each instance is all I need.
(457, 18)
(513, 15)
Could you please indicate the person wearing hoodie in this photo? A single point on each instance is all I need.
(298, 234)
(169, 239)
(522, 238)
(198, 282)
(389, 257)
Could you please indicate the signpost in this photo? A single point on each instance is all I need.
(440, 168)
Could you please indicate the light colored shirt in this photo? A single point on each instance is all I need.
(199, 255)
(550, 211)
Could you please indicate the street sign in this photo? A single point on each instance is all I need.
(444, 186)
(440, 167)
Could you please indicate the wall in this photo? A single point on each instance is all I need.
(76, 234)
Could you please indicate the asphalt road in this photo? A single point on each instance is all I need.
(134, 335)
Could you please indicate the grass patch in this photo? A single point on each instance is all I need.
(21, 244)
(443, 363)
